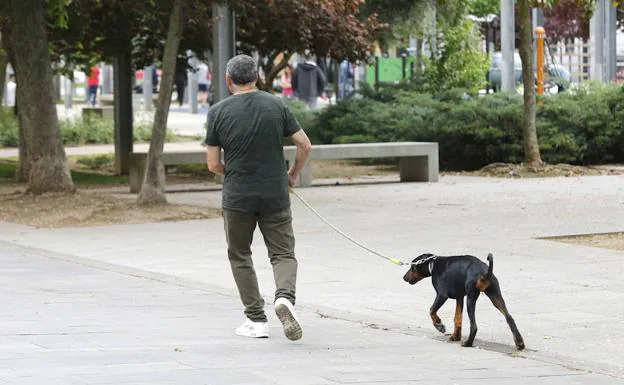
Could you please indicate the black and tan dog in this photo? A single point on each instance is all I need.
(458, 277)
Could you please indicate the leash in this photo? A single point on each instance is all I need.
(396, 261)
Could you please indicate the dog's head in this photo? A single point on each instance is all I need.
(419, 268)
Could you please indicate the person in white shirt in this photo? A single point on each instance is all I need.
(10, 91)
(202, 83)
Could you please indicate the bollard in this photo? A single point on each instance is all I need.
(540, 32)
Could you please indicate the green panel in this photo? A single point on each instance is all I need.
(390, 70)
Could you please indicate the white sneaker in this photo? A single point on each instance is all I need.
(253, 329)
(286, 313)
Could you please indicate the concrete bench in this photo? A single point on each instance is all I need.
(418, 161)
(102, 112)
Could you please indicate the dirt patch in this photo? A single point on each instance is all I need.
(508, 170)
(348, 169)
(87, 208)
(612, 241)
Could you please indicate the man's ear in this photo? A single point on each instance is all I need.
(228, 82)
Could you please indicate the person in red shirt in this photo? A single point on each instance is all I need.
(93, 82)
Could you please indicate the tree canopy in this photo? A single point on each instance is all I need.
(98, 30)
(276, 29)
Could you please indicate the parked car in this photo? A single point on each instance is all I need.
(558, 75)
(494, 75)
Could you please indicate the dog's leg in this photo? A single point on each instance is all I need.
(433, 312)
(472, 304)
(497, 300)
(459, 309)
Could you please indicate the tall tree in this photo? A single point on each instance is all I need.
(132, 35)
(529, 131)
(49, 171)
(153, 189)
(531, 144)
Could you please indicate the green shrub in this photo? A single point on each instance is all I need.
(9, 136)
(79, 131)
(584, 127)
(87, 131)
(586, 117)
(96, 162)
(304, 116)
(459, 62)
(143, 132)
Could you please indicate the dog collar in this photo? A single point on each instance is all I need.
(430, 259)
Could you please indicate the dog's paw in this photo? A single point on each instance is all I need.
(441, 328)
(466, 344)
(520, 345)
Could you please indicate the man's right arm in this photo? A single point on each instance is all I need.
(304, 147)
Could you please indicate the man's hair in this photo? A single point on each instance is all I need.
(242, 69)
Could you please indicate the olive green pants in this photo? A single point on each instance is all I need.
(276, 228)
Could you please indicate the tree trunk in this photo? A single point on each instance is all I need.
(4, 61)
(49, 171)
(336, 70)
(271, 71)
(153, 189)
(124, 139)
(529, 131)
(23, 165)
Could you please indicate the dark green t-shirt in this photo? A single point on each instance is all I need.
(251, 128)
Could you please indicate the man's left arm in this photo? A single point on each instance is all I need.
(213, 159)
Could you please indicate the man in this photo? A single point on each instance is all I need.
(308, 82)
(180, 78)
(202, 83)
(93, 83)
(251, 126)
(11, 88)
(345, 80)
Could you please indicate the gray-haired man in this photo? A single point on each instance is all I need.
(251, 126)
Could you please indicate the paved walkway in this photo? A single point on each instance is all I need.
(566, 299)
(67, 320)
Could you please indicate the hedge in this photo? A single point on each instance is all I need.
(583, 127)
(77, 131)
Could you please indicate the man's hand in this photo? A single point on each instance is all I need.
(304, 147)
(292, 179)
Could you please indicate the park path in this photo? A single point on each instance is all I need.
(566, 298)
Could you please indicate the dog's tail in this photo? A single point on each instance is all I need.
(490, 259)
